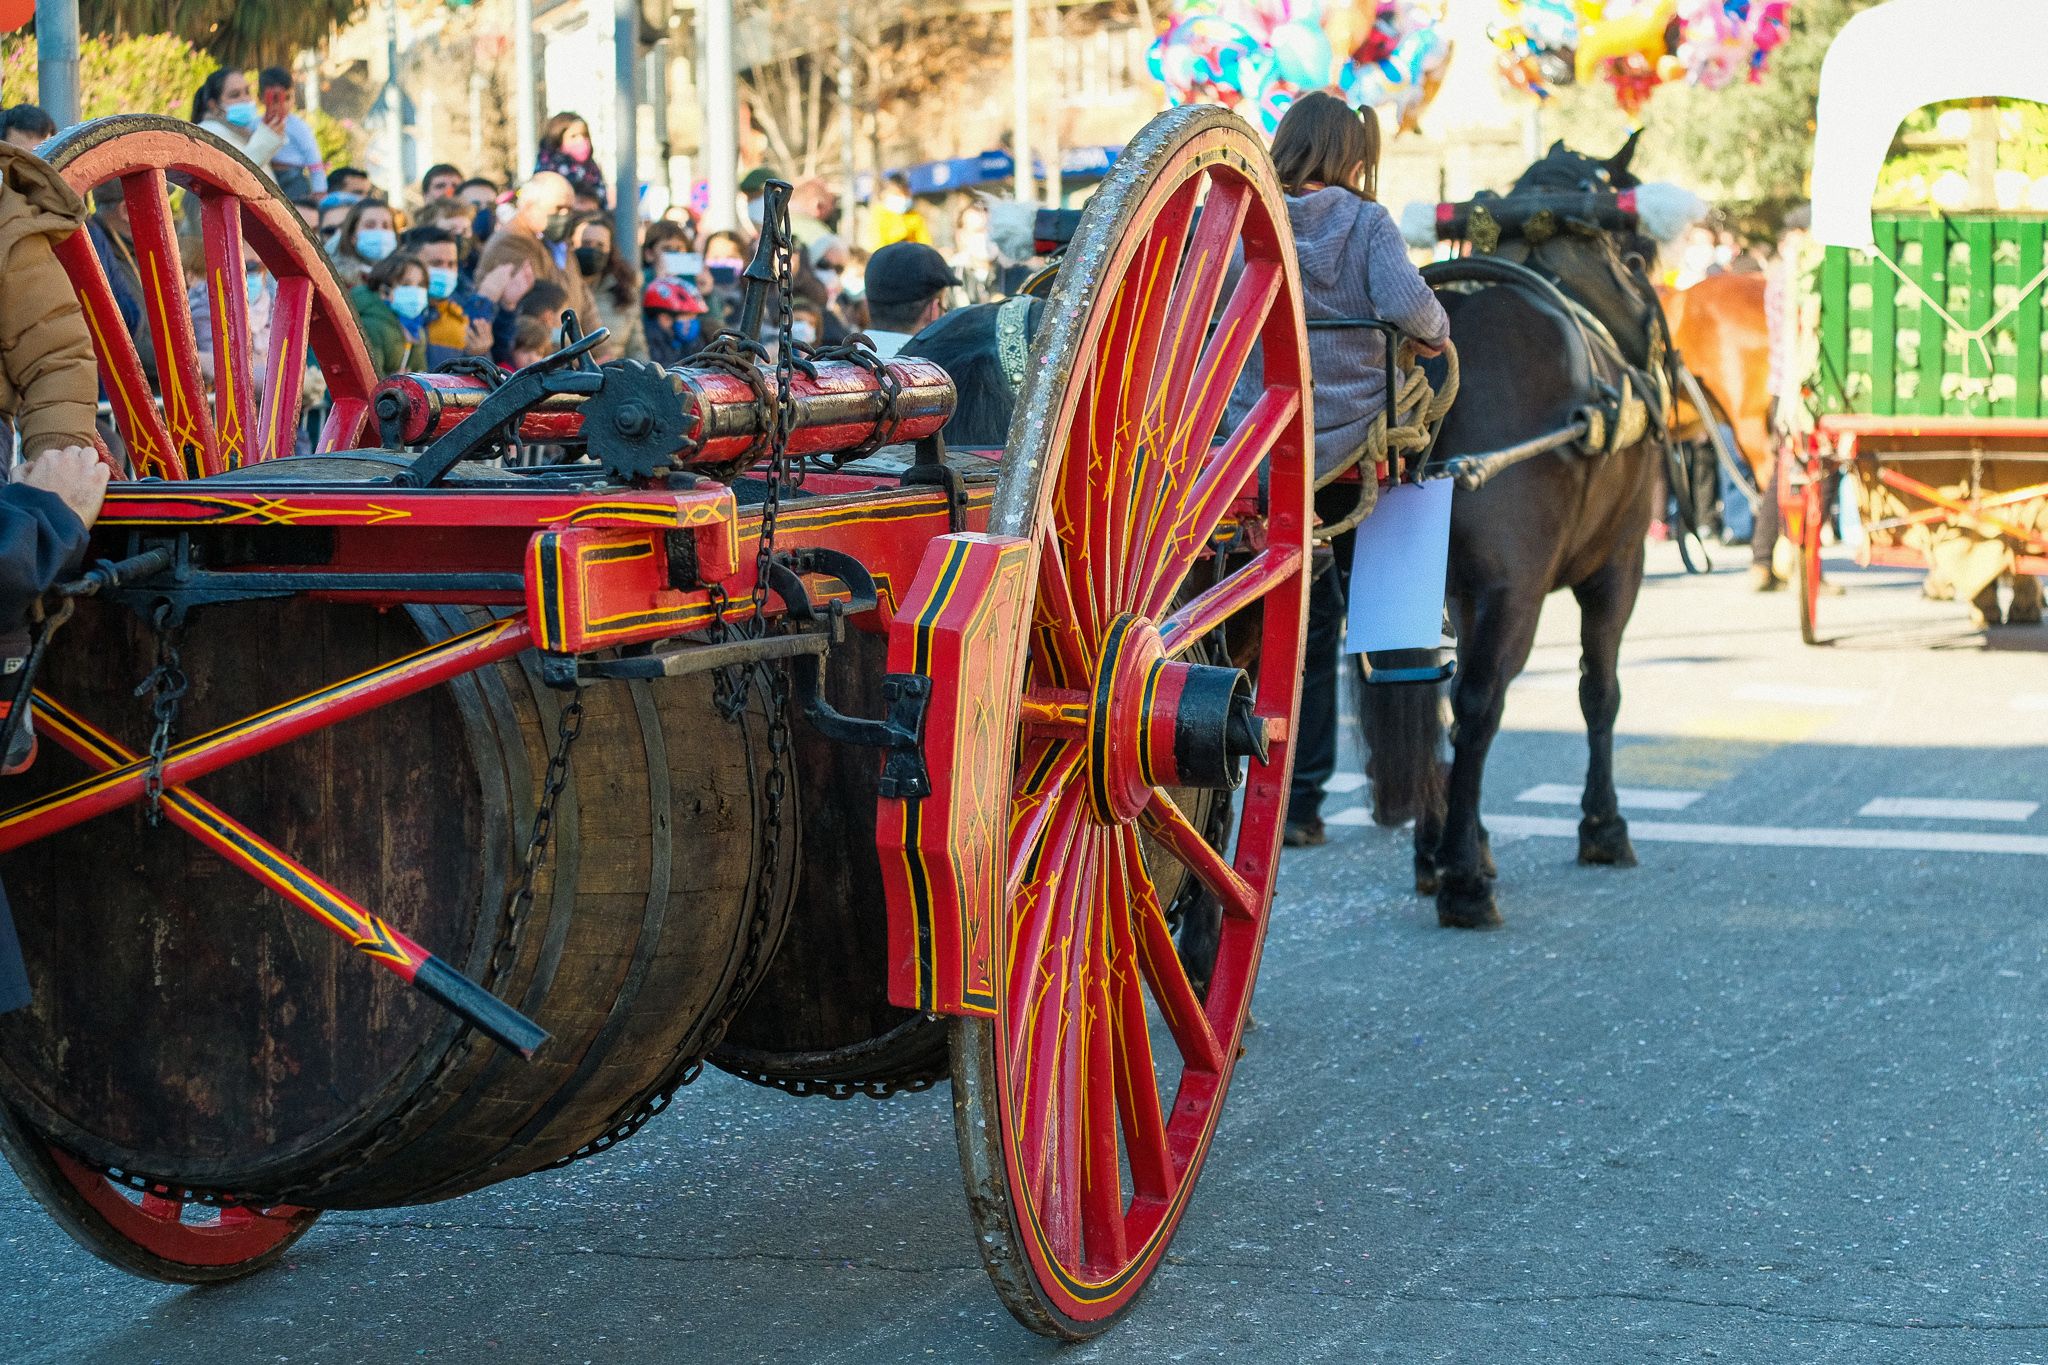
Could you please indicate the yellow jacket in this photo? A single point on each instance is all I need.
(891, 226)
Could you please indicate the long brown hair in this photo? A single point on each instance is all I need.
(1323, 140)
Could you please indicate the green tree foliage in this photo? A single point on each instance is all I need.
(249, 33)
(152, 74)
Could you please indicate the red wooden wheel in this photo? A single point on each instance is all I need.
(176, 424)
(150, 1234)
(1086, 1106)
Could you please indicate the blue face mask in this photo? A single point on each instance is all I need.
(440, 281)
(409, 300)
(374, 244)
(255, 283)
(241, 114)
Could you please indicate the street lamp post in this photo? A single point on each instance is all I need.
(524, 133)
(626, 124)
(1020, 80)
(57, 59)
(394, 109)
(720, 89)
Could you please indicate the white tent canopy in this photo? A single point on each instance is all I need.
(1901, 56)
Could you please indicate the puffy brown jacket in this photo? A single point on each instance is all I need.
(49, 379)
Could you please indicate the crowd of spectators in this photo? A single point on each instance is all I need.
(464, 267)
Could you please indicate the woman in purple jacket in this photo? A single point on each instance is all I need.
(1353, 265)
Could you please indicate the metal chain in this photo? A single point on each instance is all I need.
(837, 1089)
(166, 686)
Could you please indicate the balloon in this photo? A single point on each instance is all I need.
(1259, 56)
(1639, 33)
(1301, 55)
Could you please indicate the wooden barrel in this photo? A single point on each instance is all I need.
(190, 1027)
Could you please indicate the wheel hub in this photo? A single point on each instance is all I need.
(1156, 722)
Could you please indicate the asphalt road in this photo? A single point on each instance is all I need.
(1775, 1095)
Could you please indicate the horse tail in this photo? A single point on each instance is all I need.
(1403, 726)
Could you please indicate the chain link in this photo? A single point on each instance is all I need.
(166, 686)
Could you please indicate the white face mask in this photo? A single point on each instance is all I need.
(830, 279)
(802, 332)
(675, 265)
(757, 210)
(896, 203)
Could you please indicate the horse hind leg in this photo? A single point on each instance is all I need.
(1493, 644)
(1605, 603)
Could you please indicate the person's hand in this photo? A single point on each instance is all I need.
(506, 284)
(476, 340)
(75, 473)
(273, 119)
(1426, 348)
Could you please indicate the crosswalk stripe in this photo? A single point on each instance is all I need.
(2030, 701)
(1778, 836)
(1631, 798)
(1947, 808)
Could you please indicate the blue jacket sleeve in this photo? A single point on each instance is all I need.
(39, 539)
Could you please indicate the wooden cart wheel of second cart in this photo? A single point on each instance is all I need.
(192, 413)
(204, 414)
(1086, 1106)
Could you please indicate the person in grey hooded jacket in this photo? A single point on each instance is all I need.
(1353, 265)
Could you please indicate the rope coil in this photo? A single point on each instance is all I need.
(1426, 405)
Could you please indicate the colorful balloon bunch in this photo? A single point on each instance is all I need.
(1635, 45)
(1258, 56)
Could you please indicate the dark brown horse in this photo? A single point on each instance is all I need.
(1533, 362)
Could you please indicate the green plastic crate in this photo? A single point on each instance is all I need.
(1885, 352)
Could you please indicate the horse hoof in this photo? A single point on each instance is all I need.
(1605, 843)
(1425, 879)
(1467, 903)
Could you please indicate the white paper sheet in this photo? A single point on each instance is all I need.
(1397, 570)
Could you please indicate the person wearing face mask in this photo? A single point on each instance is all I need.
(673, 315)
(225, 106)
(664, 253)
(614, 285)
(754, 187)
(367, 235)
(565, 150)
(725, 259)
(459, 321)
(907, 284)
(536, 236)
(896, 216)
(391, 308)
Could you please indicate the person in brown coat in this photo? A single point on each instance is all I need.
(49, 380)
(539, 224)
(49, 377)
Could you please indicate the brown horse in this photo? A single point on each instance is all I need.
(1721, 329)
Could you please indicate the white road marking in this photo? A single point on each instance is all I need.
(1791, 694)
(1352, 815)
(1943, 808)
(1778, 836)
(2030, 701)
(1340, 783)
(1632, 798)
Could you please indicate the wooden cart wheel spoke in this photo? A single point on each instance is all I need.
(1153, 1175)
(1185, 444)
(1270, 569)
(121, 374)
(250, 410)
(1081, 1133)
(1178, 543)
(1102, 1188)
(1168, 979)
(1166, 823)
(1200, 283)
(234, 412)
(194, 442)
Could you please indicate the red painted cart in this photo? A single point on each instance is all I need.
(734, 739)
